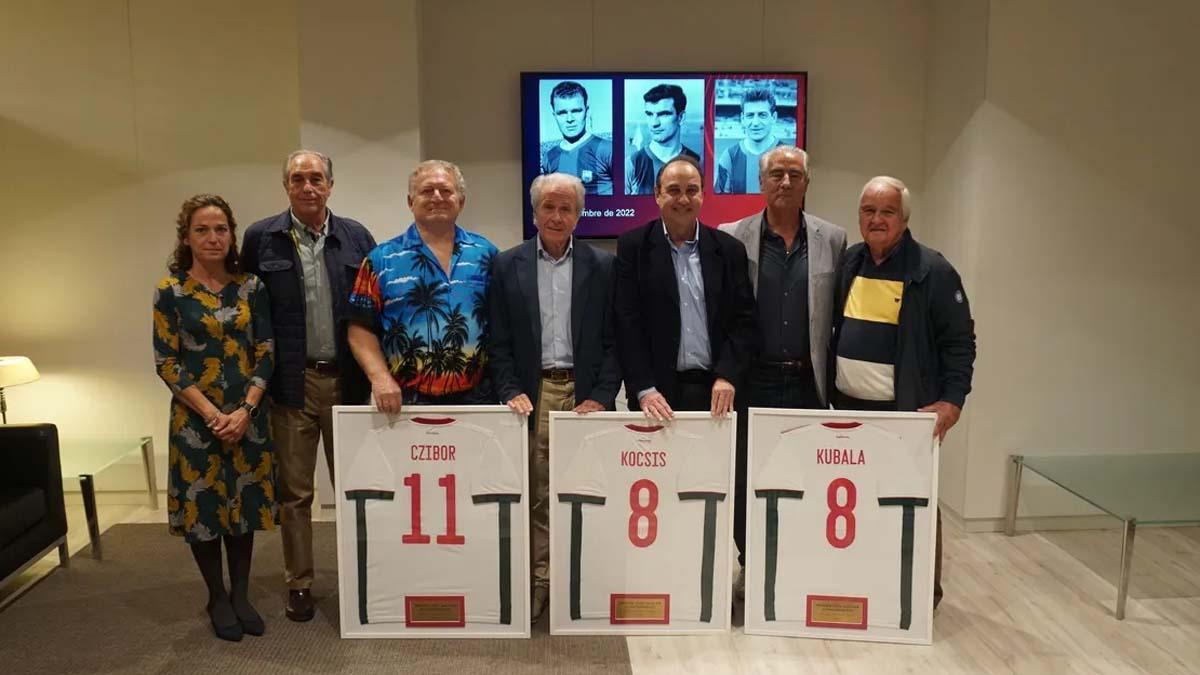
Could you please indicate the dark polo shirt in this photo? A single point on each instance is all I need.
(783, 296)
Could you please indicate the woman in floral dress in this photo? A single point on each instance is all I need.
(213, 347)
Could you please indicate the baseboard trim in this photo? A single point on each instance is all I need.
(1045, 523)
(116, 498)
(1030, 523)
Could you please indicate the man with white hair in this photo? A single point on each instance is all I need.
(552, 339)
(792, 256)
(419, 325)
(903, 335)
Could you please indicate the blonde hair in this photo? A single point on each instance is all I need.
(428, 165)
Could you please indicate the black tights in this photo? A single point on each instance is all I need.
(227, 608)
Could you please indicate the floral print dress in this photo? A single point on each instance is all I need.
(222, 343)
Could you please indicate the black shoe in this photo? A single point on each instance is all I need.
(251, 621)
(231, 632)
(253, 625)
(300, 604)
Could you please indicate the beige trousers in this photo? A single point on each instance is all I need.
(553, 396)
(296, 435)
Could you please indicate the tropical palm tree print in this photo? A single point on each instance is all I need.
(433, 326)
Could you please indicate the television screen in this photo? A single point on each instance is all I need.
(615, 131)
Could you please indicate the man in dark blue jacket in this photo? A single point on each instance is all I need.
(903, 336)
(308, 259)
(683, 305)
(553, 346)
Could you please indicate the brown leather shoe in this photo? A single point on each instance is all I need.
(300, 604)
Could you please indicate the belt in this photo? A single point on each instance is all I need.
(786, 366)
(559, 374)
(695, 376)
(322, 367)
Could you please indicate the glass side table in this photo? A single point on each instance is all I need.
(1148, 489)
(83, 458)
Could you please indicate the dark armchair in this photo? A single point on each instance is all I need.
(33, 517)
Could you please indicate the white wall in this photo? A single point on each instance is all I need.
(866, 81)
(1090, 147)
(956, 79)
(1063, 194)
(358, 103)
(113, 113)
(141, 104)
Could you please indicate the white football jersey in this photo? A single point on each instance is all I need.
(638, 496)
(436, 498)
(839, 498)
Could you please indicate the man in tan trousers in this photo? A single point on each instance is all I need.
(552, 346)
(308, 258)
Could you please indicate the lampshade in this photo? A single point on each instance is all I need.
(16, 370)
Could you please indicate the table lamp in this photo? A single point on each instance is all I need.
(14, 370)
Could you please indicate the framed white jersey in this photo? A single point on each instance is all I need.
(432, 525)
(841, 511)
(640, 523)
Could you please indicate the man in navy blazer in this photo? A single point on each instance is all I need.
(685, 309)
(308, 258)
(552, 344)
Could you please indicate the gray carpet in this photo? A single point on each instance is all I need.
(141, 610)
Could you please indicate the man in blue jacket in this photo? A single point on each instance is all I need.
(308, 258)
(903, 335)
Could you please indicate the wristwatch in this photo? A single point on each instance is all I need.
(249, 408)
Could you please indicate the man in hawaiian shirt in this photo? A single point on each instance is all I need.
(419, 310)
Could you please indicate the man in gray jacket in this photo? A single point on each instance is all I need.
(793, 259)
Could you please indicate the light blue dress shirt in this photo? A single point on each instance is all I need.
(554, 304)
(694, 350)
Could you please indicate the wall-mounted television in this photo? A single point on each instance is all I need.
(615, 130)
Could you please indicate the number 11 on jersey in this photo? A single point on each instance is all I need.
(447, 482)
